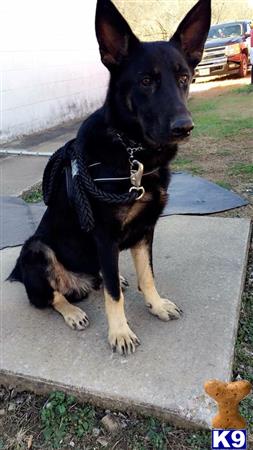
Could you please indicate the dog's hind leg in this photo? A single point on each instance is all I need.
(163, 308)
(44, 277)
(75, 317)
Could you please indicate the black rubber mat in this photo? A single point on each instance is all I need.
(190, 194)
(187, 195)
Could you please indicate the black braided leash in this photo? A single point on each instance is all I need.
(84, 187)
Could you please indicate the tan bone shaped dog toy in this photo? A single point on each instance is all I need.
(228, 396)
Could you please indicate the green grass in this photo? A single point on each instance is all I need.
(223, 152)
(203, 106)
(212, 124)
(186, 164)
(34, 195)
(181, 162)
(241, 168)
(224, 184)
(223, 116)
(195, 170)
(244, 90)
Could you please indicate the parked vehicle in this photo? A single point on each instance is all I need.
(227, 50)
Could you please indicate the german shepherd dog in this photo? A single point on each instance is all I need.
(145, 104)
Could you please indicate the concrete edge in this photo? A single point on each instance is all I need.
(45, 387)
(240, 292)
(27, 189)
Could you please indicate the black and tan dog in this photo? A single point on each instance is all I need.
(145, 103)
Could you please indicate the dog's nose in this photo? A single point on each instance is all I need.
(182, 127)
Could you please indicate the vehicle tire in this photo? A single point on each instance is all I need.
(243, 71)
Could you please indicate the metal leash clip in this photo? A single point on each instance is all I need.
(136, 172)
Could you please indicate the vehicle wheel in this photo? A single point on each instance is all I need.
(243, 66)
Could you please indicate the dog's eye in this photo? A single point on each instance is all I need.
(183, 80)
(146, 81)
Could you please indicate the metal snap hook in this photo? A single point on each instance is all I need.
(138, 189)
(136, 174)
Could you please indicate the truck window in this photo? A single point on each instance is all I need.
(223, 31)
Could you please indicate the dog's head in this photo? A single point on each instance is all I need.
(150, 81)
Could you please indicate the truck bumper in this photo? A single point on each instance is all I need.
(217, 67)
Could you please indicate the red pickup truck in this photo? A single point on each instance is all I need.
(227, 50)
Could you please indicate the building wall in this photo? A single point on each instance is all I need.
(50, 66)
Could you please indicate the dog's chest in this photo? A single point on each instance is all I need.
(127, 214)
(150, 204)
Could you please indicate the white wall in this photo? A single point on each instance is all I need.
(50, 65)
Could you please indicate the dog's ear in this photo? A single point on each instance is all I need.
(114, 35)
(192, 32)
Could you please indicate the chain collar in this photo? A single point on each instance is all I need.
(136, 167)
(131, 146)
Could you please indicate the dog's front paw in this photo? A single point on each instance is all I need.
(164, 309)
(123, 340)
(76, 318)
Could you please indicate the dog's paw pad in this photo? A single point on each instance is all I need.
(165, 310)
(123, 341)
(76, 318)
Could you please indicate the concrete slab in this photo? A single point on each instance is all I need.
(19, 173)
(200, 264)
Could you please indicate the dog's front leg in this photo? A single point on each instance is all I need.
(120, 336)
(142, 256)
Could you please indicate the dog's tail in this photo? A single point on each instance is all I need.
(16, 274)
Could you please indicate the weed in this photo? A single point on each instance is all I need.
(61, 415)
(155, 434)
(200, 440)
(34, 195)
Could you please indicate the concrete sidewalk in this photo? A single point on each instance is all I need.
(19, 173)
(200, 264)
